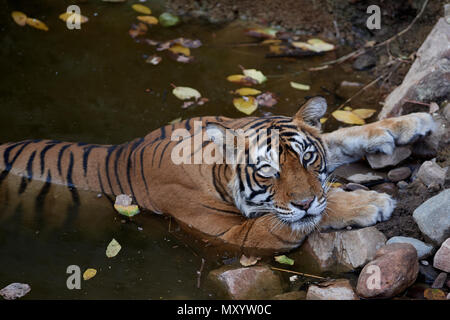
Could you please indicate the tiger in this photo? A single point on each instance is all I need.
(272, 203)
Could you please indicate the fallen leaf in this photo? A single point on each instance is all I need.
(128, 211)
(141, 9)
(248, 261)
(434, 294)
(14, 291)
(323, 120)
(335, 184)
(167, 19)
(347, 117)
(364, 113)
(315, 45)
(154, 60)
(270, 42)
(434, 107)
(185, 93)
(151, 20)
(284, 260)
(19, 17)
(177, 48)
(299, 86)
(255, 74)
(348, 108)
(73, 16)
(113, 249)
(89, 274)
(181, 58)
(241, 79)
(246, 105)
(37, 24)
(247, 92)
(266, 99)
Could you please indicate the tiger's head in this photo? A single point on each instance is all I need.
(281, 171)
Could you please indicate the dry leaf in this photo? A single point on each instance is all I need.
(247, 92)
(364, 113)
(255, 74)
(73, 16)
(89, 274)
(284, 260)
(323, 120)
(19, 17)
(141, 9)
(151, 20)
(248, 261)
(347, 117)
(299, 86)
(241, 79)
(348, 108)
(185, 93)
(434, 294)
(247, 105)
(177, 49)
(37, 24)
(113, 249)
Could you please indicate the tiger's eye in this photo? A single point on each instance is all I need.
(267, 171)
(307, 156)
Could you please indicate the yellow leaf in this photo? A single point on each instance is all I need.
(323, 120)
(364, 113)
(320, 45)
(89, 274)
(37, 24)
(302, 45)
(348, 108)
(270, 41)
(185, 93)
(299, 86)
(141, 9)
(64, 16)
(128, 211)
(177, 48)
(347, 117)
(235, 78)
(113, 249)
(284, 260)
(255, 74)
(247, 92)
(276, 49)
(335, 184)
(246, 105)
(19, 17)
(148, 19)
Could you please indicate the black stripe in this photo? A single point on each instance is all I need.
(220, 210)
(86, 154)
(73, 190)
(42, 155)
(108, 155)
(30, 166)
(162, 153)
(23, 185)
(116, 172)
(60, 155)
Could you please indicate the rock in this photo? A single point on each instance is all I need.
(355, 186)
(448, 296)
(441, 259)
(386, 187)
(332, 290)
(433, 217)
(428, 273)
(14, 291)
(402, 185)
(256, 282)
(431, 173)
(448, 284)
(423, 249)
(439, 281)
(364, 62)
(380, 160)
(428, 79)
(359, 173)
(340, 251)
(398, 174)
(294, 295)
(394, 269)
(424, 262)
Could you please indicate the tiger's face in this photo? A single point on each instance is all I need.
(287, 182)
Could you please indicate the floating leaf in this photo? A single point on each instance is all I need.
(141, 9)
(89, 274)
(151, 20)
(154, 60)
(284, 260)
(241, 79)
(247, 92)
(248, 261)
(128, 211)
(299, 86)
(348, 108)
(246, 105)
(364, 113)
(167, 19)
(255, 74)
(434, 294)
(113, 249)
(73, 16)
(37, 24)
(19, 17)
(320, 45)
(323, 120)
(185, 93)
(177, 49)
(347, 117)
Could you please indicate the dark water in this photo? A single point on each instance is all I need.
(93, 85)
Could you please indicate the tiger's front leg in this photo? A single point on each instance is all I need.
(347, 145)
(357, 208)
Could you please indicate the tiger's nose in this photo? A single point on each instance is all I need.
(303, 204)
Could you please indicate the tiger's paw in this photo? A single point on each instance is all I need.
(375, 207)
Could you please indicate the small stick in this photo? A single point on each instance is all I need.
(299, 273)
(199, 273)
(416, 102)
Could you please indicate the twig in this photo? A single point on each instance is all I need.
(417, 102)
(199, 273)
(299, 273)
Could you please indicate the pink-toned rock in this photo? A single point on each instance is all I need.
(256, 282)
(441, 259)
(380, 160)
(339, 289)
(15, 291)
(394, 269)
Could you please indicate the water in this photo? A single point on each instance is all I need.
(93, 85)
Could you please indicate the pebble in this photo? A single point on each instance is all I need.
(402, 184)
(355, 186)
(386, 187)
(425, 262)
(439, 281)
(399, 174)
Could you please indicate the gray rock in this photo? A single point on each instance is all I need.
(355, 186)
(378, 161)
(430, 173)
(428, 79)
(402, 184)
(359, 173)
(399, 174)
(364, 62)
(439, 281)
(340, 251)
(433, 217)
(256, 282)
(332, 290)
(428, 273)
(423, 250)
(441, 259)
(15, 291)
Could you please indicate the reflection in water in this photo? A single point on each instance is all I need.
(93, 85)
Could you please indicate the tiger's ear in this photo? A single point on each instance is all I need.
(311, 112)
